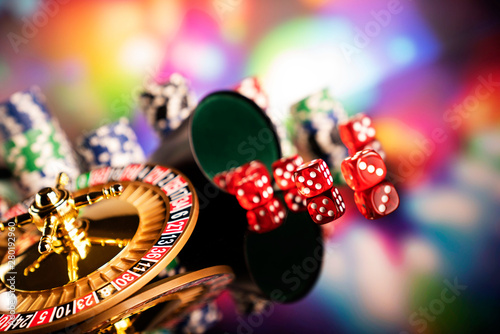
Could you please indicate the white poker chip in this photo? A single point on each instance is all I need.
(167, 105)
(200, 320)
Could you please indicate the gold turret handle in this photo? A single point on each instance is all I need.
(18, 221)
(45, 246)
(96, 196)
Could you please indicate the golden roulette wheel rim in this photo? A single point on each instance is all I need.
(168, 209)
(188, 289)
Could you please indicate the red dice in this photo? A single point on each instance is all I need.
(283, 170)
(267, 217)
(295, 201)
(363, 170)
(254, 190)
(378, 201)
(235, 175)
(313, 178)
(357, 132)
(374, 145)
(220, 180)
(327, 207)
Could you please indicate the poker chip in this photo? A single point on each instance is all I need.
(173, 268)
(248, 303)
(251, 88)
(200, 320)
(314, 129)
(24, 111)
(111, 145)
(167, 105)
(285, 141)
(34, 147)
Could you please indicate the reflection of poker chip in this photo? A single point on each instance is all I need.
(34, 146)
(314, 129)
(113, 145)
(167, 105)
(200, 320)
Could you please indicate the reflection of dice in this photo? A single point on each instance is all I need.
(283, 170)
(254, 190)
(357, 132)
(295, 201)
(267, 217)
(326, 207)
(363, 170)
(378, 201)
(234, 176)
(313, 178)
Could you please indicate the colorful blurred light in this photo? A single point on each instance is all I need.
(402, 50)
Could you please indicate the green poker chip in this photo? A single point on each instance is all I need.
(313, 126)
(32, 150)
(37, 156)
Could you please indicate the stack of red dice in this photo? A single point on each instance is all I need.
(314, 182)
(359, 134)
(283, 170)
(365, 170)
(251, 184)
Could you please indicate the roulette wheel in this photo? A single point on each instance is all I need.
(100, 246)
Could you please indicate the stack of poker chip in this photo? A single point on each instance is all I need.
(251, 88)
(111, 145)
(200, 320)
(314, 130)
(167, 105)
(33, 145)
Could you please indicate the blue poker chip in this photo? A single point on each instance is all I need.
(113, 145)
(23, 111)
(34, 147)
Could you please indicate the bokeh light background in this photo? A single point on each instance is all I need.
(417, 76)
